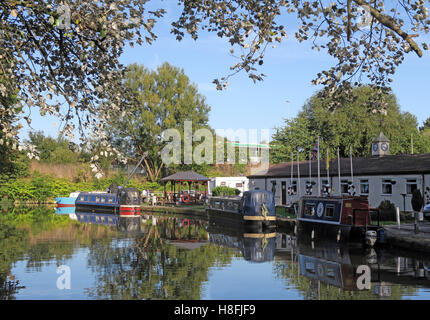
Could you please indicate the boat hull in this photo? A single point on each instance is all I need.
(335, 232)
(122, 210)
(65, 201)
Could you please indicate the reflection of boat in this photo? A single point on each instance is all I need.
(65, 210)
(256, 206)
(344, 219)
(332, 264)
(126, 224)
(254, 246)
(107, 219)
(353, 268)
(125, 201)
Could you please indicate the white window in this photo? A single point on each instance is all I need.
(294, 186)
(364, 187)
(387, 187)
(411, 185)
(344, 186)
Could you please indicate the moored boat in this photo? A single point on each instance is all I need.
(254, 207)
(340, 218)
(65, 202)
(117, 200)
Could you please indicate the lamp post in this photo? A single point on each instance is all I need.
(404, 201)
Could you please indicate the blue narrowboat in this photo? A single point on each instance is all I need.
(117, 200)
(254, 207)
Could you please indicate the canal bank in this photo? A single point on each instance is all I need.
(406, 238)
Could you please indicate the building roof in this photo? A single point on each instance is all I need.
(185, 176)
(388, 165)
(381, 138)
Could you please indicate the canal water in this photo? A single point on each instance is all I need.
(81, 256)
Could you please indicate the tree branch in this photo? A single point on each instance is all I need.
(389, 22)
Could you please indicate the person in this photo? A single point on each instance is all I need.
(144, 195)
(154, 199)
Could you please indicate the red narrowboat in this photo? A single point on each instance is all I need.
(340, 218)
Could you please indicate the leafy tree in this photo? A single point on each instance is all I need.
(156, 101)
(70, 50)
(348, 126)
(52, 150)
(13, 163)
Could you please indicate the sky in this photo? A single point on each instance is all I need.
(290, 68)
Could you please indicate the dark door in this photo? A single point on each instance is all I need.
(284, 192)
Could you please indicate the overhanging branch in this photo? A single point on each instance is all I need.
(388, 22)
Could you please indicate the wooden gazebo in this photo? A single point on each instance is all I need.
(182, 178)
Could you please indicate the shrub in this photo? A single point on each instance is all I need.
(387, 211)
(225, 191)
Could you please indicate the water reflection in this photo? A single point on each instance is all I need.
(173, 257)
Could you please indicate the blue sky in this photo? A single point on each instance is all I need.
(289, 67)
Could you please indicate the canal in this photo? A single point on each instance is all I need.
(81, 256)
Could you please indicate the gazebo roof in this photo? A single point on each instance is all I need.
(185, 176)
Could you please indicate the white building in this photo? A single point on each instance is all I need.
(241, 183)
(380, 177)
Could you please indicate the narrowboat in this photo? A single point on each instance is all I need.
(117, 200)
(254, 207)
(340, 218)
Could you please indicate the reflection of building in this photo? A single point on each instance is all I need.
(379, 177)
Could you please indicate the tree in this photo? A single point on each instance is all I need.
(156, 101)
(64, 55)
(417, 200)
(348, 126)
(13, 162)
(52, 150)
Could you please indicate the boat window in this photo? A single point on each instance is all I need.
(97, 199)
(110, 199)
(309, 209)
(329, 211)
(82, 198)
(103, 199)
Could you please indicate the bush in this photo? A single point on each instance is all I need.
(225, 191)
(387, 211)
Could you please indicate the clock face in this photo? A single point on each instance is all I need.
(375, 147)
(384, 146)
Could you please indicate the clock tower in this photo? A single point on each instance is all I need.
(380, 146)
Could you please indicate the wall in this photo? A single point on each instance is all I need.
(375, 195)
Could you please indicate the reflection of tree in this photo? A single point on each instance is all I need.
(152, 268)
(40, 236)
(12, 247)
